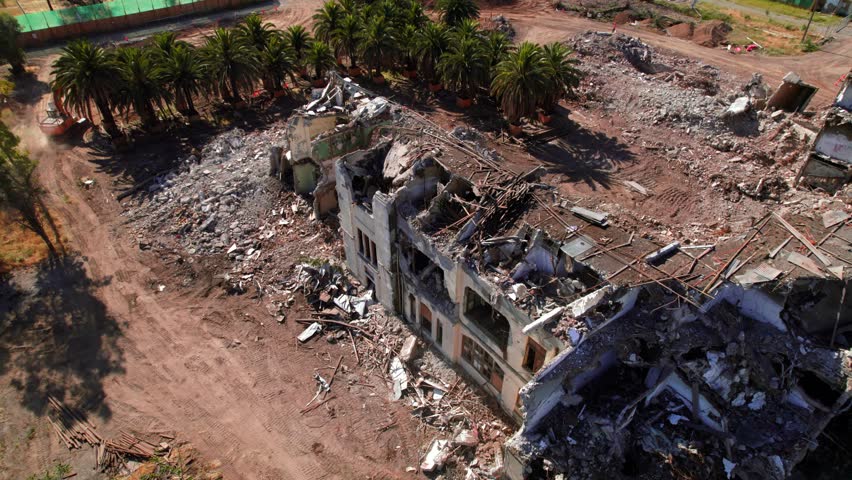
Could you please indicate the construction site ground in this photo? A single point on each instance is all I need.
(151, 340)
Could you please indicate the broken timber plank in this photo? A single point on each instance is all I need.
(635, 186)
(806, 263)
(822, 258)
(590, 215)
(712, 281)
(777, 249)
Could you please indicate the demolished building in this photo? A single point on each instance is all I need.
(616, 355)
(340, 120)
(829, 163)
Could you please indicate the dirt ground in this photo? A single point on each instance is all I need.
(217, 370)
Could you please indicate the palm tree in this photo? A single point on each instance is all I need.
(230, 62)
(350, 7)
(320, 57)
(454, 11)
(407, 46)
(86, 73)
(467, 28)
(431, 42)
(519, 82)
(164, 43)
(327, 19)
(347, 37)
(563, 76)
(497, 46)
(413, 14)
(300, 41)
(142, 88)
(256, 32)
(388, 9)
(276, 62)
(378, 45)
(10, 52)
(464, 68)
(182, 71)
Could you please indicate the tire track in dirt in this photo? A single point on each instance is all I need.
(169, 379)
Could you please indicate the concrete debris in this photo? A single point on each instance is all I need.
(740, 106)
(437, 455)
(309, 332)
(834, 217)
(663, 253)
(758, 92)
(409, 349)
(637, 187)
(793, 95)
(466, 438)
(502, 24)
(597, 218)
(399, 378)
(696, 387)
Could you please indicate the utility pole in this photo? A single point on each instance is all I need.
(810, 19)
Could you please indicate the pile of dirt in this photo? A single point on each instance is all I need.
(711, 33)
(681, 30)
(622, 18)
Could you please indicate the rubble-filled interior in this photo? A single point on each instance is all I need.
(668, 391)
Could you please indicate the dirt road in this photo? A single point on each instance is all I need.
(537, 21)
(213, 369)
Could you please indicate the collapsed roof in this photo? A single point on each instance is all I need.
(667, 390)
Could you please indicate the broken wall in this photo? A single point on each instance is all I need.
(844, 96)
(516, 376)
(305, 175)
(355, 223)
(302, 129)
(835, 141)
(793, 95)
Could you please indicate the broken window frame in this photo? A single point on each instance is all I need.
(478, 358)
(470, 311)
(426, 319)
(439, 333)
(412, 308)
(538, 354)
(367, 248)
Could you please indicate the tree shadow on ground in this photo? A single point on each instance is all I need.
(156, 153)
(56, 336)
(29, 89)
(580, 154)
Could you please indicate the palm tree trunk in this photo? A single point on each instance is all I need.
(180, 101)
(236, 93)
(107, 119)
(150, 117)
(190, 104)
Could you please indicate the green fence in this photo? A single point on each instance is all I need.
(32, 22)
(40, 28)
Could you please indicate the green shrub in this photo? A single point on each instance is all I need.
(809, 46)
(59, 471)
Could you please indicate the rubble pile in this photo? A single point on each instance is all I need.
(467, 433)
(683, 93)
(211, 204)
(222, 204)
(502, 24)
(678, 392)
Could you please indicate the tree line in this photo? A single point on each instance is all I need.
(453, 53)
